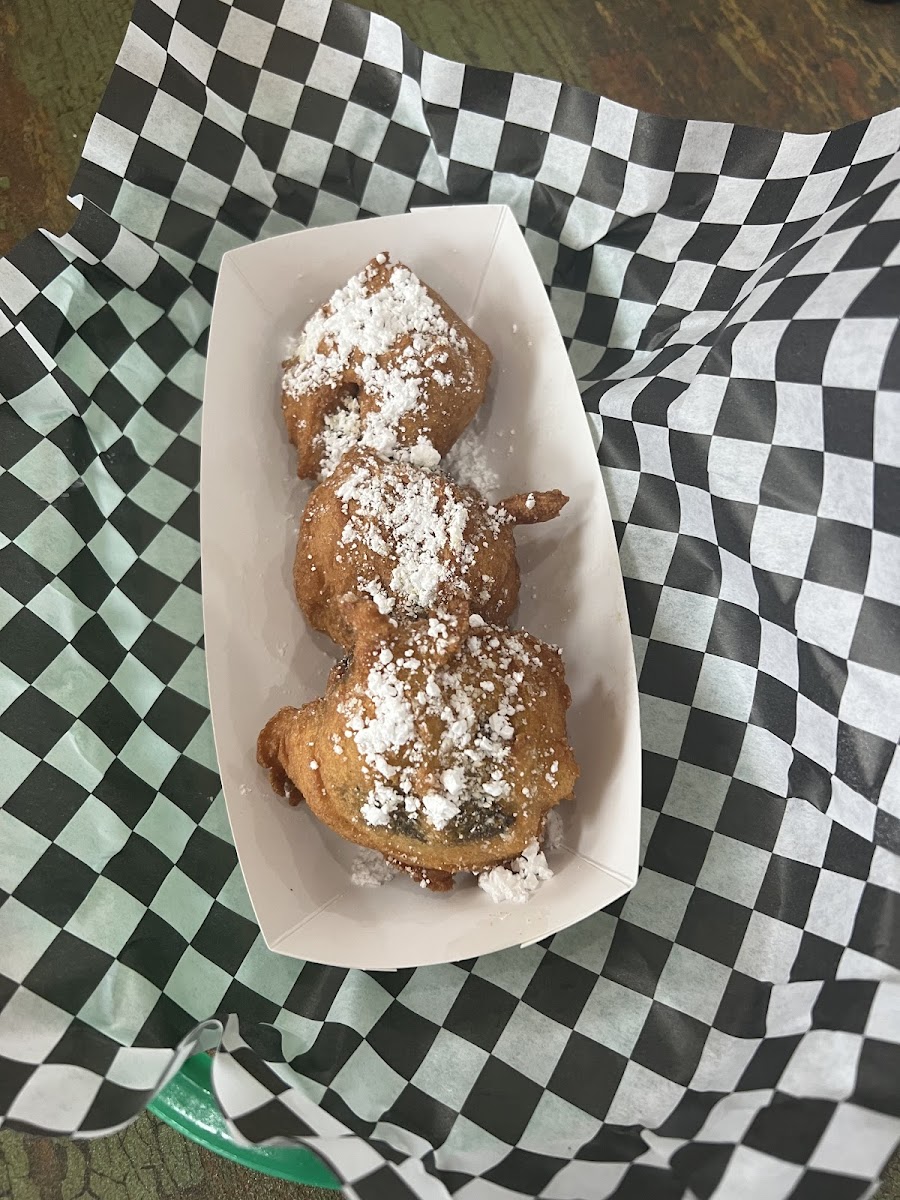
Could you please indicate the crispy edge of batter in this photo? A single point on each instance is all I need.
(544, 507)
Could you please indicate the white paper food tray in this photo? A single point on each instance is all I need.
(261, 654)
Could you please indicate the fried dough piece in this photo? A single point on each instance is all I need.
(407, 541)
(384, 363)
(441, 743)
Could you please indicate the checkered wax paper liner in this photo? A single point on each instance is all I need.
(730, 299)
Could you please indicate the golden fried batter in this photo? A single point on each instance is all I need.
(384, 363)
(407, 541)
(441, 743)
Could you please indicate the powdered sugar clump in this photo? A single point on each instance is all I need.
(422, 454)
(440, 809)
(348, 342)
(384, 601)
(516, 883)
(371, 869)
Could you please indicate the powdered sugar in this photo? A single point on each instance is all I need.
(370, 869)
(471, 729)
(516, 883)
(391, 726)
(355, 340)
(422, 454)
(379, 807)
(414, 519)
(341, 433)
(440, 809)
(384, 602)
(466, 462)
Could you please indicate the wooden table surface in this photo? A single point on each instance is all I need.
(803, 66)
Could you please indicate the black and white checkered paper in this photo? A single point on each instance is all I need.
(730, 299)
